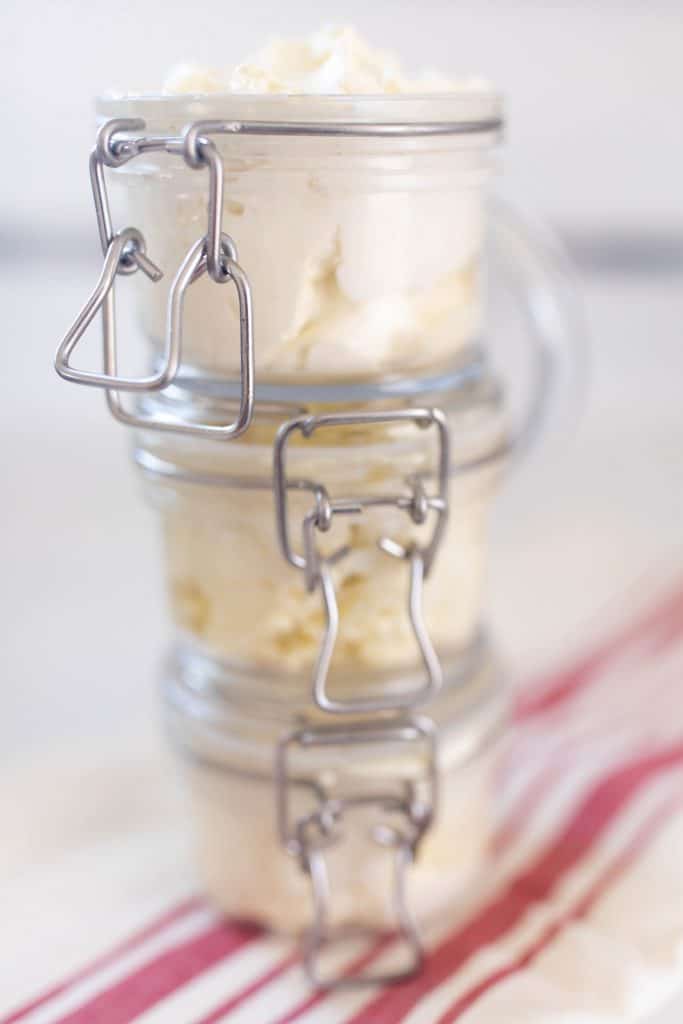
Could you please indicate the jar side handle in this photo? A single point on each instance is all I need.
(556, 327)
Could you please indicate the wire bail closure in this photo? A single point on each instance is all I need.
(309, 837)
(194, 266)
(125, 253)
(317, 570)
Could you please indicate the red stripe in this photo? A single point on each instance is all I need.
(589, 822)
(668, 635)
(646, 833)
(250, 990)
(557, 761)
(666, 617)
(169, 917)
(551, 765)
(158, 978)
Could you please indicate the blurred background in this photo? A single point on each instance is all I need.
(594, 93)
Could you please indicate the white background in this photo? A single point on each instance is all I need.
(594, 89)
(595, 92)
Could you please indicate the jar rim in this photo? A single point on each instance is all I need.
(480, 440)
(236, 732)
(479, 107)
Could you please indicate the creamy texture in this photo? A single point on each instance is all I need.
(332, 61)
(235, 597)
(247, 873)
(363, 254)
(233, 594)
(354, 277)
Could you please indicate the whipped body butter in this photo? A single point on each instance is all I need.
(318, 216)
(363, 253)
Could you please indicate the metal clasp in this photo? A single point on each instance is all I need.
(194, 266)
(125, 252)
(417, 504)
(309, 837)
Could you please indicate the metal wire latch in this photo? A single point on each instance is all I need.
(416, 503)
(307, 838)
(125, 253)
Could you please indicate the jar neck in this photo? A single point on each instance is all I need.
(470, 395)
(234, 717)
(279, 696)
(468, 116)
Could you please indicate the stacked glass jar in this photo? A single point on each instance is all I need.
(322, 434)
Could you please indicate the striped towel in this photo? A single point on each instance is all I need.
(580, 917)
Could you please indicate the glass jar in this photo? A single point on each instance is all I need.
(236, 601)
(248, 807)
(363, 253)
